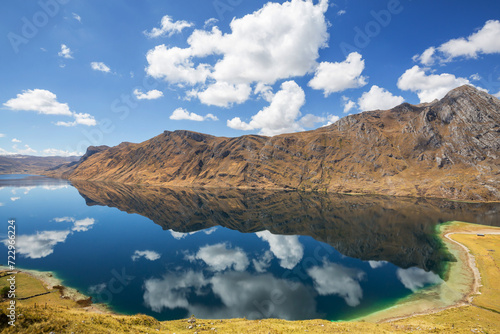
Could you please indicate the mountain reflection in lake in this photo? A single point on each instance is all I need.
(231, 253)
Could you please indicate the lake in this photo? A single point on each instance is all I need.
(215, 253)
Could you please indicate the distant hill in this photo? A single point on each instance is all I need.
(26, 164)
(448, 149)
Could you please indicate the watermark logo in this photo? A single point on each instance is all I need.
(121, 107)
(31, 27)
(10, 292)
(224, 6)
(104, 292)
(364, 36)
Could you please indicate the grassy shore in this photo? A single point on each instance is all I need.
(468, 302)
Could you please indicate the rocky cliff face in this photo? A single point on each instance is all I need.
(449, 149)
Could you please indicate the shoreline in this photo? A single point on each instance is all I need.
(50, 281)
(272, 188)
(284, 189)
(464, 278)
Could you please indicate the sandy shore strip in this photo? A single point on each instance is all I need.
(463, 283)
(50, 280)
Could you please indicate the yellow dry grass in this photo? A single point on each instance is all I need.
(487, 255)
(29, 285)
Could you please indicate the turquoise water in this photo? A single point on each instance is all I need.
(224, 254)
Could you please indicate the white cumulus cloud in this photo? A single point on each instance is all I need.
(64, 219)
(65, 52)
(100, 66)
(475, 77)
(26, 150)
(416, 278)
(286, 248)
(280, 116)
(348, 104)
(37, 246)
(168, 27)
(147, 254)
(331, 119)
(39, 100)
(80, 118)
(429, 86)
(485, 41)
(264, 91)
(377, 264)
(181, 235)
(172, 290)
(427, 57)
(378, 98)
(84, 119)
(175, 65)
(53, 188)
(210, 22)
(223, 94)
(261, 264)
(15, 140)
(219, 257)
(149, 95)
(182, 114)
(285, 37)
(45, 102)
(239, 293)
(77, 17)
(83, 225)
(334, 279)
(337, 77)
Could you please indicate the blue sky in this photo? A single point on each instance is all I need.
(79, 73)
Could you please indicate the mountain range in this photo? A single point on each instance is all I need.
(449, 148)
(28, 164)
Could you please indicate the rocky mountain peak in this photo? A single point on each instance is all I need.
(468, 103)
(448, 148)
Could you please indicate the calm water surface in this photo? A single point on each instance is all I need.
(221, 254)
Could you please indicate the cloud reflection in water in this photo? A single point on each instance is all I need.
(240, 294)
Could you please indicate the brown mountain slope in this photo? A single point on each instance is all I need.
(449, 148)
